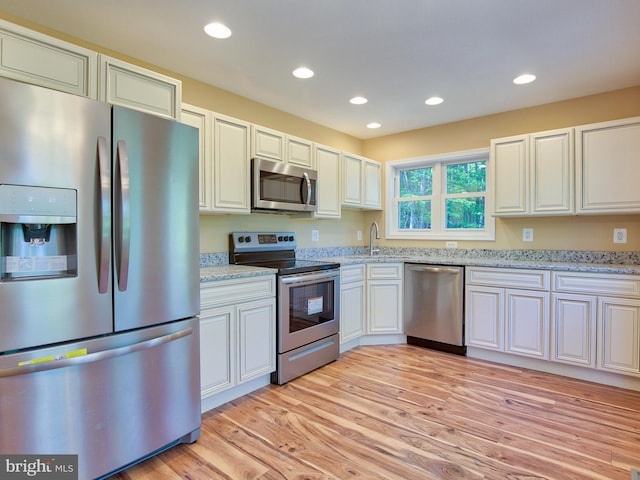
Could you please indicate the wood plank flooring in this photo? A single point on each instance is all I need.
(402, 412)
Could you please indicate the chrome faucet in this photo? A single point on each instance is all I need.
(373, 251)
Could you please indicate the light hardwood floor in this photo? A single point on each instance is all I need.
(403, 412)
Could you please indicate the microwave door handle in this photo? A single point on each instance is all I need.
(308, 182)
(105, 212)
(124, 222)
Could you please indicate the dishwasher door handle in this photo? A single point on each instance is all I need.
(430, 269)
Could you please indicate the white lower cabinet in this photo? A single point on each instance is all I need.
(384, 298)
(507, 319)
(619, 335)
(352, 302)
(237, 332)
(573, 329)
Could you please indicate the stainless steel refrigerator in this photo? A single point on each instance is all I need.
(99, 282)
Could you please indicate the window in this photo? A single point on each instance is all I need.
(442, 197)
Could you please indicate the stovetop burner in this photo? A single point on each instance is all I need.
(272, 250)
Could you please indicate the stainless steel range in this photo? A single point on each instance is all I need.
(308, 301)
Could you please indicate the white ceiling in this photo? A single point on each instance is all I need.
(397, 53)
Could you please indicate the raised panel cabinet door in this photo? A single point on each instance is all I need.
(128, 85)
(217, 349)
(608, 167)
(573, 329)
(256, 338)
(201, 119)
(484, 317)
(267, 143)
(38, 59)
(231, 175)
(352, 307)
(384, 312)
(300, 152)
(372, 185)
(527, 322)
(352, 180)
(552, 177)
(619, 335)
(328, 168)
(510, 163)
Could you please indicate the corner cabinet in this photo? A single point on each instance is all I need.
(533, 174)
(608, 167)
(362, 182)
(127, 85)
(31, 57)
(237, 332)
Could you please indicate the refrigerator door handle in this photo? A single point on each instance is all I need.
(51, 363)
(124, 217)
(105, 216)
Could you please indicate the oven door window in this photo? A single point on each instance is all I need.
(310, 305)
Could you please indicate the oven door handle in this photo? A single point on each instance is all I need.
(310, 277)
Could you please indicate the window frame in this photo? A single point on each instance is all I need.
(438, 197)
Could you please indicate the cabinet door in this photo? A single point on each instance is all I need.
(552, 181)
(128, 85)
(484, 317)
(300, 152)
(619, 335)
(510, 162)
(32, 57)
(217, 349)
(384, 312)
(257, 338)
(231, 175)
(267, 143)
(352, 307)
(608, 167)
(201, 119)
(372, 182)
(527, 322)
(573, 329)
(352, 180)
(328, 167)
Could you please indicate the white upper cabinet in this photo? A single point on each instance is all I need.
(231, 162)
(201, 119)
(38, 59)
(274, 145)
(608, 167)
(362, 182)
(533, 174)
(328, 167)
(121, 83)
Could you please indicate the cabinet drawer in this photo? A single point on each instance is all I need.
(377, 271)
(509, 278)
(226, 292)
(599, 284)
(352, 273)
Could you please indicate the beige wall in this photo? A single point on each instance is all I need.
(579, 233)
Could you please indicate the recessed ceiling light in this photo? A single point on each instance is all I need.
(303, 72)
(358, 100)
(217, 30)
(523, 79)
(434, 101)
(374, 125)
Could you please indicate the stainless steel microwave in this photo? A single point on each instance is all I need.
(279, 187)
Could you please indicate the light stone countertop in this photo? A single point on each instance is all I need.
(225, 272)
(491, 262)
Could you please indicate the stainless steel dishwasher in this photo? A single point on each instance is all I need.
(434, 306)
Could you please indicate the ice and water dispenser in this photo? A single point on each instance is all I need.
(38, 232)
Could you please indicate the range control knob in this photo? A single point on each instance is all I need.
(281, 238)
(290, 238)
(247, 238)
(240, 239)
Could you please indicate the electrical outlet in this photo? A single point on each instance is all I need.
(527, 234)
(359, 235)
(451, 244)
(619, 235)
(315, 236)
